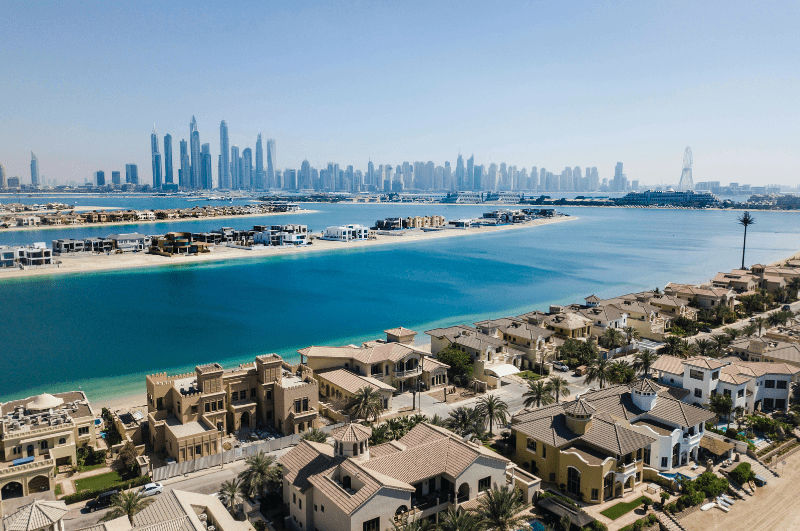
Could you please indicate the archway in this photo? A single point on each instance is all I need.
(573, 481)
(630, 482)
(11, 490)
(39, 484)
(245, 420)
(463, 492)
(608, 486)
(30, 450)
(346, 482)
(618, 489)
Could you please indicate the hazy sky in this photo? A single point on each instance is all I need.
(548, 84)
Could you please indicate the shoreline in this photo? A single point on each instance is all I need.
(102, 263)
(140, 222)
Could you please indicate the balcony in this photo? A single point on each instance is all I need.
(407, 373)
(692, 439)
(40, 462)
(626, 469)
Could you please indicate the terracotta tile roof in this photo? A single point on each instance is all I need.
(602, 313)
(35, 515)
(516, 327)
(351, 433)
(429, 363)
(305, 460)
(704, 363)
(399, 331)
(670, 364)
(579, 407)
(735, 379)
(352, 382)
(645, 385)
(568, 321)
(375, 353)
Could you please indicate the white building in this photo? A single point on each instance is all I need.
(282, 235)
(751, 385)
(346, 233)
(130, 242)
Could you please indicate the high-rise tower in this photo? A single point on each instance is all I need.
(2, 176)
(687, 183)
(206, 177)
(168, 159)
(34, 170)
(194, 144)
(460, 173)
(224, 176)
(272, 163)
(259, 171)
(156, 158)
(469, 178)
(247, 169)
(236, 165)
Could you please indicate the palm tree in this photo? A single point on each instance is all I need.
(366, 404)
(380, 435)
(721, 343)
(565, 522)
(703, 346)
(672, 345)
(464, 420)
(613, 338)
(745, 220)
(558, 387)
(598, 369)
(643, 361)
(631, 334)
(749, 330)
(793, 286)
(621, 372)
(774, 319)
(760, 324)
(493, 410)
(499, 509)
(538, 394)
(417, 524)
(436, 420)
(314, 435)
(230, 493)
(256, 477)
(733, 333)
(721, 405)
(459, 521)
(126, 504)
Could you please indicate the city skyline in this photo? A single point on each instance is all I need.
(654, 80)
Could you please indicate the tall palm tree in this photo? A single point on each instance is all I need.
(620, 372)
(598, 369)
(721, 342)
(631, 334)
(366, 404)
(703, 346)
(537, 394)
(126, 504)
(230, 493)
(256, 476)
(745, 220)
(613, 338)
(499, 509)
(749, 330)
(672, 345)
(417, 524)
(643, 361)
(314, 435)
(459, 521)
(464, 420)
(493, 410)
(558, 387)
(760, 324)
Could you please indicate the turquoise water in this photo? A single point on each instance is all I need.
(673, 475)
(106, 331)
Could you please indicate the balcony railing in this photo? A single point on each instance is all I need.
(625, 469)
(40, 462)
(410, 372)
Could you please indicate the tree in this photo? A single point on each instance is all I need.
(745, 220)
(459, 521)
(721, 342)
(275, 479)
(499, 509)
(620, 372)
(643, 361)
(436, 420)
(366, 404)
(631, 334)
(493, 410)
(230, 493)
(255, 477)
(568, 349)
(565, 522)
(537, 394)
(672, 346)
(558, 387)
(612, 338)
(314, 435)
(464, 420)
(380, 435)
(793, 287)
(418, 524)
(749, 330)
(721, 405)
(460, 362)
(598, 369)
(759, 324)
(126, 504)
(127, 458)
(703, 346)
(733, 333)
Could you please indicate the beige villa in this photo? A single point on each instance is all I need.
(189, 413)
(39, 433)
(708, 297)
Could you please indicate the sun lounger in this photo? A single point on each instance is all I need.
(723, 507)
(728, 499)
(723, 503)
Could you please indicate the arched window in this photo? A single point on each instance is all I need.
(62, 440)
(346, 482)
(573, 481)
(43, 445)
(355, 448)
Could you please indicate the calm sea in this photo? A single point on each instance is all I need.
(106, 331)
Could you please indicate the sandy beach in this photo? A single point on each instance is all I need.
(94, 263)
(122, 223)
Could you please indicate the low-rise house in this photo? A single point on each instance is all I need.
(10, 255)
(740, 282)
(130, 242)
(707, 297)
(282, 235)
(598, 445)
(98, 245)
(346, 233)
(38, 434)
(536, 342)
(492, 358)
(38, 515)
(27, 221)
(358, 487)
(68, 246)
(751, 385)
(341, 385)
(174, 243)
(36, 256)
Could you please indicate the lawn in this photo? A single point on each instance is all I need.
(97, 482)
(615, 511)
(86, 468)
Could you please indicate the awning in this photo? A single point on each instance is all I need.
(500, 371)
(715, 446)
(560, 508)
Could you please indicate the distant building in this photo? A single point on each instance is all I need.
(100, 178)
(168, 175)
(13, 182)
(2, 176)
(156, 159)
(346, 233)
(194, 141)
(282, 235)
(668, 197)
(34, 170)
(131, 174)
(115, 178)
(224, 177)
(272, 181)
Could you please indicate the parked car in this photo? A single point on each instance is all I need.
(752, 319)
(102, 501)
(706, 329)
(786, 308)
(557, 365)
(151, 489)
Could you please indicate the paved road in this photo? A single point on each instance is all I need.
(738, 324)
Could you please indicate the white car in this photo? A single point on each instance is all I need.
(151, 489)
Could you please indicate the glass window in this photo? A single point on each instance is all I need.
(485, 483)
(740, 394)
(253, 392)
(769, 384)
(647, 455)
(573, 481)
(297, 406)
(715, 375)
(695, 374)
(698, 393)
(781, 384)
(663, 462)
(198, 450)
(235, 396)
(372, 525)
(595, 494)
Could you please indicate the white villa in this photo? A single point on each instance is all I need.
(346, 233)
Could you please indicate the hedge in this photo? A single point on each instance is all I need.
(94, 493)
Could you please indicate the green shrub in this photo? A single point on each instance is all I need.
(93, 493)
(638, 525)
(742, 474)
(599, 526)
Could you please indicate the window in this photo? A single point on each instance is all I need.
(713, 392)
(485, 483)
(639, 454)
(322, 508)
(194, 409)
(647, 455)
(595, 494)
(315, 507)
(297, 406)
(84, 430)
(698, 393)
(294, 498)
(726, 392)
(234, 396)
(663, 462)
(305, 404)
(573, 481)
(715, 375)
(769, 403)
(300, 503)
(198, 450)
(253, 392)
(269, 395)
(780, 403)
(219, 404)
(43, 445)
(269, 415)
(373, 525)
(740, 394)
(208, 407)
(532, 445)
(346, 482)
(695, 374)
(781, 384)
(544, 450)
(769, 384)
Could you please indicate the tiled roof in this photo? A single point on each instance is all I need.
(569, 321)
(429, 363)
(304, 460)
(704, 363)
(35, 515)
(592, 298)
(516, 327)
(735, 379)
(645, 385)
(351, 433)
(352, 382)
(602, 313)
(376, 353)
(670, 364)
(579, 407)
(399, 331)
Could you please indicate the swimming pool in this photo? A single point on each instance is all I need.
(674, 475)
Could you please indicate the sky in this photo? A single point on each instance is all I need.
(547, 84)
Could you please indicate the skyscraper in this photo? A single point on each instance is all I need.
(247, 169)
(469, 177)
(272, 163)
(34, 170)
(184, 178)
(305, 175)
(459, 173)
(131, 174)
(235, 167)
(115, 178)
(100, 178)
(194, 144)
(448, 177)
(155, 155)
(168, 159)
(224, 176)
(259, 170)
(2, 176)
(206, 177)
